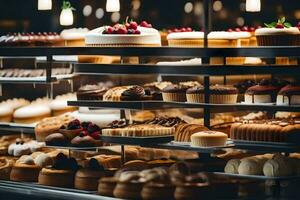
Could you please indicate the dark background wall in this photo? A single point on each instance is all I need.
(23, 16)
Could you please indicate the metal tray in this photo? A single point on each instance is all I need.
(136, 140)
(74, 148)
(257, 177)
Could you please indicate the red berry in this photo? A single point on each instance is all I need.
(279, 26)
(245, 28)
(188, 29)
(127, 25)
(144, 24)
(257, 27)
(137, 32)
(122, 30)
(237, 29)
(170, 31)
(251, 29)
(133, 25)
(176, 30)
(109, 30)
(183, 29)
(230, 30)
(95, 135)
(149, 26)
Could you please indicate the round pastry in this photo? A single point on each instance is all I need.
(184, 131)
(174, 93)
(124, 93)
(161, 163)
(6, 113)
(251, 166)
(60, 106)
(232, 166)
(91, 92)
(155, 89)
(56, 139)
(112, 36)
(264, 92)
(218, 94)
(43, 160)
(106, 186)
(135, 165)
(279, 165)
(128, 190)
(32, 113)
(208, 139)
(5, 168)
(158, 191)
(289, 95)
(18, 149)
(87, 179)
(192, 191)
(85, 141)
(25, 170)
(56, 178)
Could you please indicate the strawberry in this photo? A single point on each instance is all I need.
(280, 26)
(133, 25)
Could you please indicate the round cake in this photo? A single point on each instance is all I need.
(6, 113)
(129, 34)
(208, 139)
(174, 93)
(125, 93)
(91, 92)
(87, 179)
(289, 95)
(158, 191)
(106, 186)
(74, 36)
(218, 94)
(56, 177)
(25, 170)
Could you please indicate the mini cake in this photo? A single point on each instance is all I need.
(142, 130)
(278, 166)
(5, 168)
(218, 94)
(106, 186)
(60, 106)
(208, 139)
(289, 95)
(124, 93)
(264, 92)
(6, 113)
(184, 131)
(32, 113)
(174, 93)
(91, 92)
(56, 139)
(192, 191)
(278, 33)
(158, 191)
(87, 179)
(155, 89)
(25, 170)
(74, 37)
(232, 166)
(130, 34)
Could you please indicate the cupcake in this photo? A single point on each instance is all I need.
(264, 92)
(174, 93)
(155, 89)
(218, 94)
(91, 92)
(208, 139)
(289, 95)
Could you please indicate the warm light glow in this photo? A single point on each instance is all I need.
(253, 5)
(44, 4)
(112, 5)
(66, 17)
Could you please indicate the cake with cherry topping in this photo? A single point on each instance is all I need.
(128, 34)
(289, 95)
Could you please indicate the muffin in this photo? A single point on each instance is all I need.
(289, 95)
(174, 93)
(25, 170)
(158, 191)
(208, 139)
(56, 177)
(218, 94)
(106, 186)
(87, 179)
(264, 92)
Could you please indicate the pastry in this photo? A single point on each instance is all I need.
(32, 113)
(6, 113)
(60, 106)
(50, 125)
(74, 36)
(155, 89)
(166, 121)
(218, 94)
(142, 130)
(87, 179)
(124, 93)
(121, 35)
(158, 191)
(278, 166)
(72, 129)
(208, 139)
(91, 92)
(174, 93)
(5, 168)
(192, 191)
(264, 92)
(56, 139)
(106, 186)
(193, 61)
(43, 160)
(232, 166)
(252, 165)
(288, 95)
(184, 131)
(56, 178)
(85, 141)
(135, 165)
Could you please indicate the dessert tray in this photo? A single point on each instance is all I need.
(257, 177)
(73, 148)
(149, 140)
(266, 146)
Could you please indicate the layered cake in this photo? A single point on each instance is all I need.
(264, 92)
(124, 93)
(218, 94)
(269, 131)
(289, 95)
(130, 34)
(143, 130)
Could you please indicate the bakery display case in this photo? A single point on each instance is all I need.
(113, 134)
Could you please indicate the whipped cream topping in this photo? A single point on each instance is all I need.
(31, 111)
(194, 61)
(212, 35)
(277, 31)
(74, 33)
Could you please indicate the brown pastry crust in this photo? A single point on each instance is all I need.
(215, 89)
(25, 173)
(87, 179)
(56, 178)
(106, 186)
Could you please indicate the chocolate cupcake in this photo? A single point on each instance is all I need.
(219, 94)
(174, 93)
(289, 95)
(125, 93)
(91, 92)
(264, 92)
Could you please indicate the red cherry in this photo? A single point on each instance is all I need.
(188, 29)
(122, 30)
(257, 27)
(237, 29)
(251, 29)
(245, 28)
(229, 30)
(133, 25)
(144, 24)
(127, 25)
(183, 29)
(149, 26)
(109, 30)
(298, 25)
(137, 32)
(279, 26)
(170, 31)
(176, 30)
(95, 135)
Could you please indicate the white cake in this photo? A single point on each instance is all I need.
(147, 37)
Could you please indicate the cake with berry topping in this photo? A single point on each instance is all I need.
(289, 95)
(128, 34)
(279, 33)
